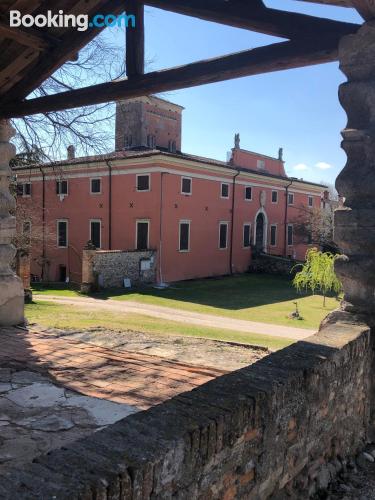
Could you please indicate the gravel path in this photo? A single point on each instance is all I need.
(189, 317)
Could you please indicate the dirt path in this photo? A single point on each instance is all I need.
(181, 316)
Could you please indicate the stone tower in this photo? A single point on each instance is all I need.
(148, 122)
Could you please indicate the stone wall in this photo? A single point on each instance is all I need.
(279, 428)
(11, 289)
(271, 264)
(108, 268)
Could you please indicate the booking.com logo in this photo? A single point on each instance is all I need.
(81, 21)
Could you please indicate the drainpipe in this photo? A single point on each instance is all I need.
(292, 179)
(44, 256)
(232, 223)
(109, 204)
(161, 283)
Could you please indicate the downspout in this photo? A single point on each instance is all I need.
(286, 216)
(44, 256)
(232, 223)
(109, 204)
(161, 283)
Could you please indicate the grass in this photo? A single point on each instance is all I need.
(56, 289)
(254, 297)
(71, 317)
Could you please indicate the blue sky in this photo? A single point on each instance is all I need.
(296, 109)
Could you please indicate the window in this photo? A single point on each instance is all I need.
(224, 190)
(172, 146)
(248, 193)
(261, 164)
(290, 198)
(310, 201)
(142, 234)
(246, 235)
(95, 233)
(274, 197)
(24, 189)
(96, 186)
(290, 234)
(143, 182)
(62, 233)
(61, 187)
(151, 141)
(186, 185)
(184, 236)
(27, 189)
(128, 140)
(223, 235)
(273, 236)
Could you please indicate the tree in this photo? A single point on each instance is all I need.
(31, 230)
(315, 226)
(89, 129)
(318, 274)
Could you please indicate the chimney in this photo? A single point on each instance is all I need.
(71, 150)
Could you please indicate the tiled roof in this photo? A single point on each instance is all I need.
(145, 152)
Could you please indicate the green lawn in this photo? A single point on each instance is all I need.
(254, 297)
(71, 317)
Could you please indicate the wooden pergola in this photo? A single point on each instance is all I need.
(29, 56)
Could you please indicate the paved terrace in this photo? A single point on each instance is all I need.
(56, 390)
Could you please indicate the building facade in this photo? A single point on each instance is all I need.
(203, 217)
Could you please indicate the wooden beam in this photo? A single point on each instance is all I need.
(29, 38)
(71, 42)
(366, 8)
(338, 3)
(18, 63)
(253, 15)
(135, 40)
(276, 57)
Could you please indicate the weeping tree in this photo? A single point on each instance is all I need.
(317, 274)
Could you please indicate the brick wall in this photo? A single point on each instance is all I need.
(278, 428)
(108, 268)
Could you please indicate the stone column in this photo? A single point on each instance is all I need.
(23, 268)
(355, 220)
(88, 277)
(11, 289)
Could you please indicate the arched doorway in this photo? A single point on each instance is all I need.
(259, 232)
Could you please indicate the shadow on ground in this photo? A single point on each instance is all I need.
(231, 292)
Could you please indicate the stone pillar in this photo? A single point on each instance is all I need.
(23, 268)
(355, 220)
(88, 277)
(11, 289)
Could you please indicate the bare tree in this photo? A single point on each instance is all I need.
(89, 129)
(315, 226)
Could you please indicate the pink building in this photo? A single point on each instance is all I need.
(203, 217)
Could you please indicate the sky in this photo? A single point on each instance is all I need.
(295, 109)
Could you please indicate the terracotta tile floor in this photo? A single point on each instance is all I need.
(124, 377)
